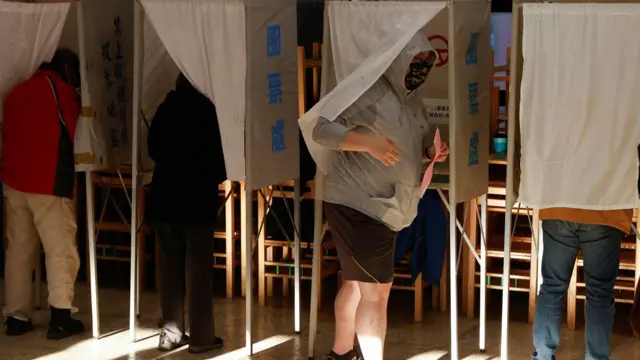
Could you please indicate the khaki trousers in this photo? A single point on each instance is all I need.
(50, 219)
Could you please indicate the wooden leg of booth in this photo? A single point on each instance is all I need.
(470, 264)
(533, 270)
(418, 299)
(285, 280)
(230, 223)
(243, 238)
(443, 288)
(269, 280)
(572, 299)
(261, 251)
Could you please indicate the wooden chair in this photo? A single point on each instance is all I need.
(117, 180)
(275, 260)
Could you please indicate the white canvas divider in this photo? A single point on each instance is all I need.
(347, 35)
(578, 92)
(30, 34)
(220, 47)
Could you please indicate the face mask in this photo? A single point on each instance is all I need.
(419, 71)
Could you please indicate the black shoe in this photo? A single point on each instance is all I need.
(62, 325)
(170, 343)
(535, 354)
(17, 327)
(217, 344)
(358, 351)
(351, 355)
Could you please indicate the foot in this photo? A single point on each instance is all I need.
(169, 342)
(62, 325)
(351, 355)
(17, 327)
(534, 356)
(217, 344)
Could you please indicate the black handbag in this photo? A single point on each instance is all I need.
(65, 168)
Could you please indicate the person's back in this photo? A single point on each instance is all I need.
(184, 142)
(36, 156)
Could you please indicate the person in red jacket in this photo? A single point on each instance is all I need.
(40, 117)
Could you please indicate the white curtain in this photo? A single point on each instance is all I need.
(580, 108)
(29, 35)
(365, 39)
(159, 77)
(207, 41)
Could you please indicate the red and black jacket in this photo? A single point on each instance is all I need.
(37, 150)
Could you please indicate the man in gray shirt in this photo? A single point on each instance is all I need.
(372, 192)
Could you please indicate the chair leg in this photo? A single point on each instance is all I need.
(571, 299)
(418, 299)
(285, 280)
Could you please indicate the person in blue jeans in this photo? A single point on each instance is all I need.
(598, 235)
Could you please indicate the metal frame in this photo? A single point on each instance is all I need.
(510, 195)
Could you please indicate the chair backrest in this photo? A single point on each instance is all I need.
(314, 64)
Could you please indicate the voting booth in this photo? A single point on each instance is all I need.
(361, 41)
(574, 118)
(31, 33)
(242, 55)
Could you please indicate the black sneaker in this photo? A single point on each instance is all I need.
(17, 327)
(535, 356)
(170, 343)
(217, 344)
(62, 325)
(351, 355)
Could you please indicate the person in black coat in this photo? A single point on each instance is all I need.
(184, 142)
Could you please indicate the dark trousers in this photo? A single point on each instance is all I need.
(600, 247)
(186, 271)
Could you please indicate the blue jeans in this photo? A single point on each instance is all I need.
(600, 247)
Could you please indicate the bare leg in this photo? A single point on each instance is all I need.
(371, 319)
(346, 305)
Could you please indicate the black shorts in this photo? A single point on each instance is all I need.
(366, 247)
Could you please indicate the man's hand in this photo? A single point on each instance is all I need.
(383, 149)
(444, 152)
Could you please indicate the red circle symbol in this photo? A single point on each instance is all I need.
(441, 46)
